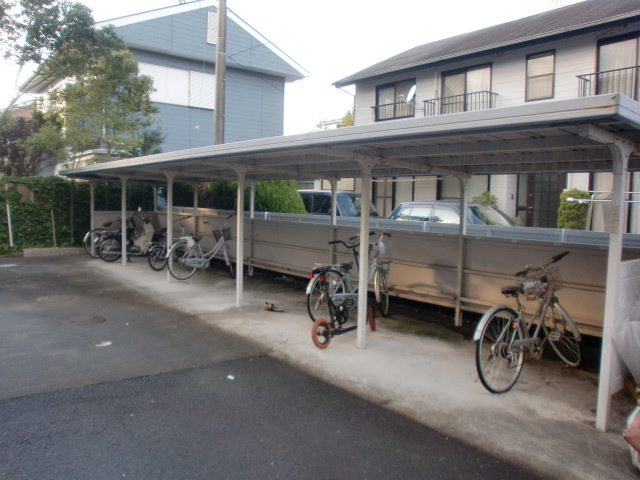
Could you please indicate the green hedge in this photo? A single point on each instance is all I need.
(35, 201)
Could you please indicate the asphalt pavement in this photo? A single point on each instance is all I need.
(112, 371)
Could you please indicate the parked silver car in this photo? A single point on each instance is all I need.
(449, 212)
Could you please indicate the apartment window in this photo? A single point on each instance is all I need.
(540, 76)
(618, 62)
(391, 101)
(180, 87)
(466, 90)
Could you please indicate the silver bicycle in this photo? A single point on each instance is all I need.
(330, 291)
(503, 335)
(186, 257)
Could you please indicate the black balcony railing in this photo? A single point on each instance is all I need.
(391, 111)
(467, 102)
(621, 80)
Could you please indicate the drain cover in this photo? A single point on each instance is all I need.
(84, 320)
(105, 343)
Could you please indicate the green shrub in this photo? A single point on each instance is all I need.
(486, 198)
(573, 215)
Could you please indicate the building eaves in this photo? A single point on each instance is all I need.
(571, 19)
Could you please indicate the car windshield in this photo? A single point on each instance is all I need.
(490, 216)
(351, 206)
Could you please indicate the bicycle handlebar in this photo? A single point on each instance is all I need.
(554, 259)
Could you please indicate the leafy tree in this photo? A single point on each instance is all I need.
(573, 215)
(107, 107)
(60, 33)
(347, 120)
(27, 145)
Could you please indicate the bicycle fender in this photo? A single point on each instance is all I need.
(86, 236)
(485, 318)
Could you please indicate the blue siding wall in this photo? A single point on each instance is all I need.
(254, 105)
(185, 35)
(184, 127)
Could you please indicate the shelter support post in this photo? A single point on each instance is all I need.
(363, 270)
(169, 216)
(462, 232)
(92, 204)
(252, 216)
(333, 181)
(240, 237)
(123, 214)
(621, 151)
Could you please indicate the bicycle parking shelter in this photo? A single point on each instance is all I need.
(589, 134)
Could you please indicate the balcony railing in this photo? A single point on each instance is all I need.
(467, 102)
(621, 80)
(391, 111)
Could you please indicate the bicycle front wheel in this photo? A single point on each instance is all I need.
(157, 257)
(321, 333)
(499, 365)
(563, 335)
(319, 304)
(176, 262)
(382, 292)
(110, 250)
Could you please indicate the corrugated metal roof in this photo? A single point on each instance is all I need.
(554, 136)
(544, 26)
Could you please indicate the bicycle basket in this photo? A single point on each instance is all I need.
(225, 231)
(538, 281)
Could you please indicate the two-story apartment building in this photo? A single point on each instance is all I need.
(588, 48)
(176, 46)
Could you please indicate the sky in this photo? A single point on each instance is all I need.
(333, 39)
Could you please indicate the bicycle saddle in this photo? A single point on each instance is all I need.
(346, 266)
(513, 290)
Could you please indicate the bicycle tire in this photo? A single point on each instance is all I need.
(157, 258)
(89, 242)
(110, 250)
(321, 333)
(176, 262)
(382, 292)
(227, 259)
(371, 318)
(562, 335)
(318, 305)
(498, 367)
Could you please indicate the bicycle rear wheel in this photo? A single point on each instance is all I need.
(498, 365)
(562, 335)
(110, 250)
(382, 292)
(176, 262)
(157, 258)
(322, 286)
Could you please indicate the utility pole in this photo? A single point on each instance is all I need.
(220, 72)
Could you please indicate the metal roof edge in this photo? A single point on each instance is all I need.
(555, 113)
